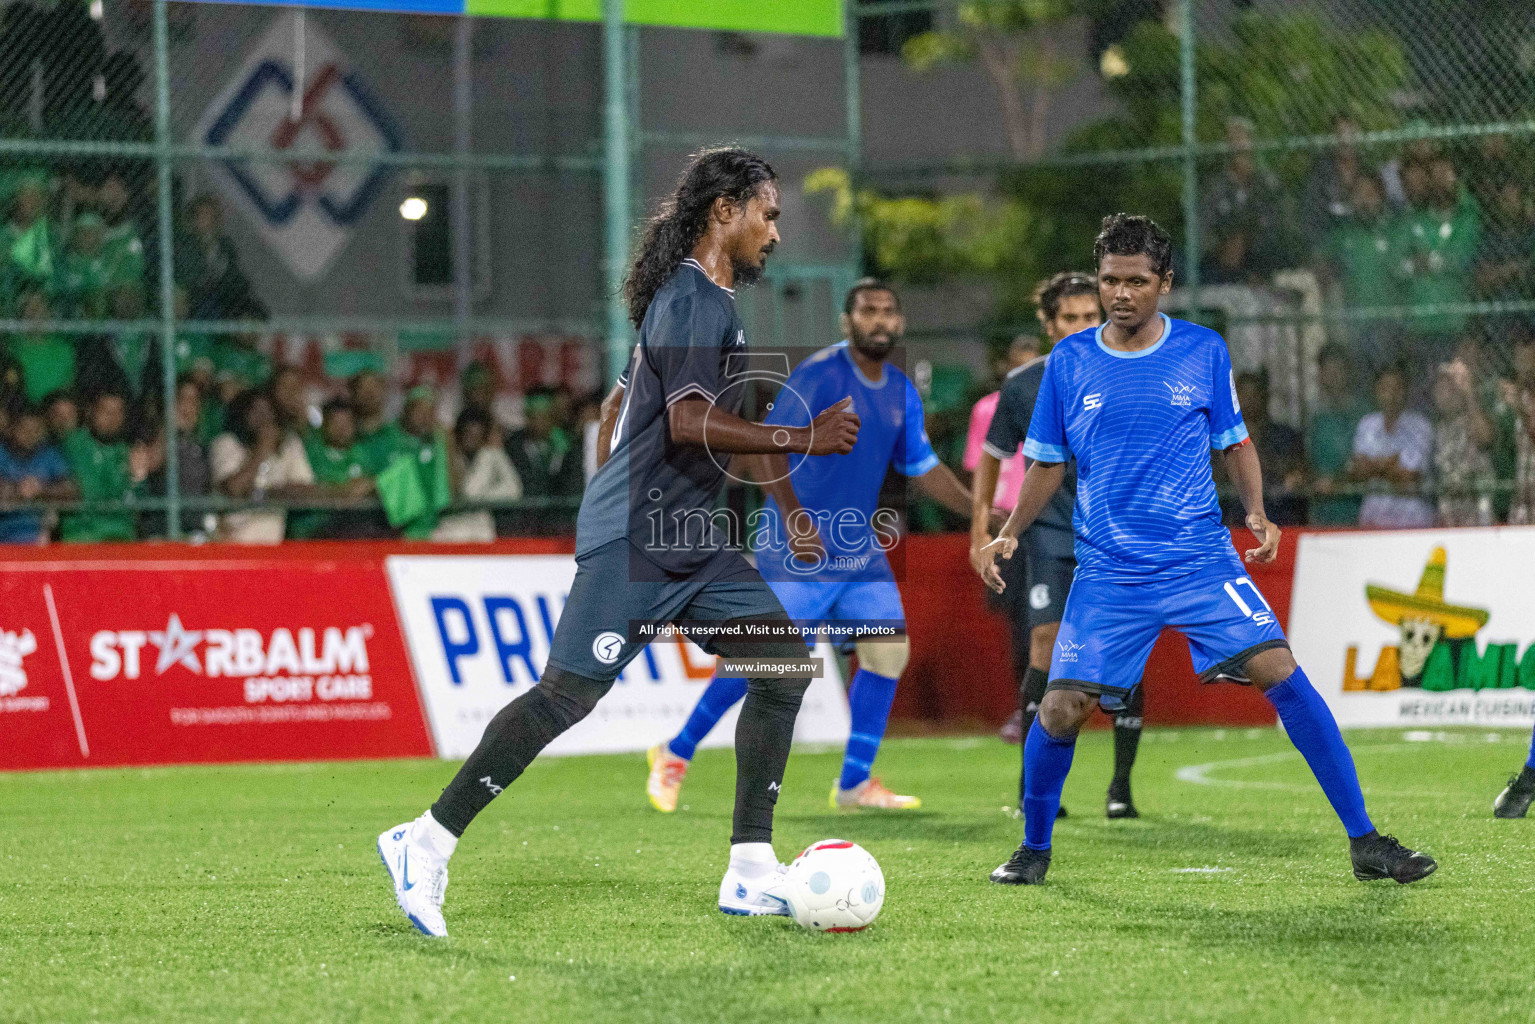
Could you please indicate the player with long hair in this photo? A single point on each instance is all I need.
(679, 416)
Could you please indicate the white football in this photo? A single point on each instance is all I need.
(835, 886)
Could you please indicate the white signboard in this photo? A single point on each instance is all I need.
(304, 209)
(479, 629)
(1433, 627)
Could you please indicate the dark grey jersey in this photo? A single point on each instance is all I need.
(658, 493)
(1009, 426)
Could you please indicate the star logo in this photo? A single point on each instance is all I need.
(178, 646)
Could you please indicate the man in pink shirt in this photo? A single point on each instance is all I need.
(1024, 348)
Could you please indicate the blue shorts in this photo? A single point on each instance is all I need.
(1109, 629)
(867, 604)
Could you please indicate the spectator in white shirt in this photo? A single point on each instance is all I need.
(1393, 448)
(257, 460)
(486, 474)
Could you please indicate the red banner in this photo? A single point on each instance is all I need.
(164, 655)
(959, 673)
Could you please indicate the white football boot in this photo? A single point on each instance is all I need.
(420, 877)
(761, 896)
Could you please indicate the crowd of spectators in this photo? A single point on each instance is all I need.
(82, 425)
(283, 459)
(1425, 411)
(1369, 458)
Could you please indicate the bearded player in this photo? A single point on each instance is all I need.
(680, 413)
(847, 584)
(1139, 403)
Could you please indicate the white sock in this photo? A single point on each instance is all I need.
(753, 860)
(430, 833)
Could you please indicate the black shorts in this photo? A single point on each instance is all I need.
(1049, 582)
(593, 637)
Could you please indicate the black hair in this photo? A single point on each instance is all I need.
(27, 409)
(1260, 377)
(1331, 351)
(1063, 286)
(732, 174)
(1396, 366)
(239, 411)
(868, 284)
(469, 418)
(1125, 234)
(337, 404)
(61, 395)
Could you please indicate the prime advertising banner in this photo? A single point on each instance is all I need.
(181, 659)
(1431, 627)
(479, 627)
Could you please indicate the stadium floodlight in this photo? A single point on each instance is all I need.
(413, 208)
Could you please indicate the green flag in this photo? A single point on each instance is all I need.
(400, 490)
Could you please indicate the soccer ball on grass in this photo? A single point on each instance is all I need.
(835, 886)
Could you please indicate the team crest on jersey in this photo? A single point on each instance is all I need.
(1181, 394)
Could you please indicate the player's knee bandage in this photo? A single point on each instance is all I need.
(886, 658)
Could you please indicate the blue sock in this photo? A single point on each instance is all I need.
(869, 697)
(1530, 764)
(1046, 760)
(1315, 734)
(711, 707)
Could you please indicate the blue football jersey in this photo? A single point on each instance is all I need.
(842, 491)
(1141, 426)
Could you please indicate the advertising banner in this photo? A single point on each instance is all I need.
(185, 660)
(479, 628)
(1432, 627)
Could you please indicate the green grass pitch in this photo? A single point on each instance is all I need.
(253, 893)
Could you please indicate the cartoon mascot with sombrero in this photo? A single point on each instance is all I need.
(1423, 617)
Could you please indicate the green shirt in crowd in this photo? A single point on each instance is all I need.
(83, 284)
(1366, 264)
(248, 366)
(331, 466)
(47, 363)
(123, 251)
(29, 253)
(426, 495)
(378, 448)
(102, 471)
(1330, 444)
(1447, 242)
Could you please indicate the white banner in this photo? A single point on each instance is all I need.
(479, 629)
(297, 90)
(1432, 627)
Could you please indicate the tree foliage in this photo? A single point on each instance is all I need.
(1288, 71)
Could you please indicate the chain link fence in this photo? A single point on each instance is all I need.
(1350, 187)
(197, 195)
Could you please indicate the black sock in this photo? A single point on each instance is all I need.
(512, 740)
(1527, 778)
(1127, 741)
(1030, 692)
(764, 732)
(763, 735)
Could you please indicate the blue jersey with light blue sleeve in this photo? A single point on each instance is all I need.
(1141, 426)
(842, 491)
